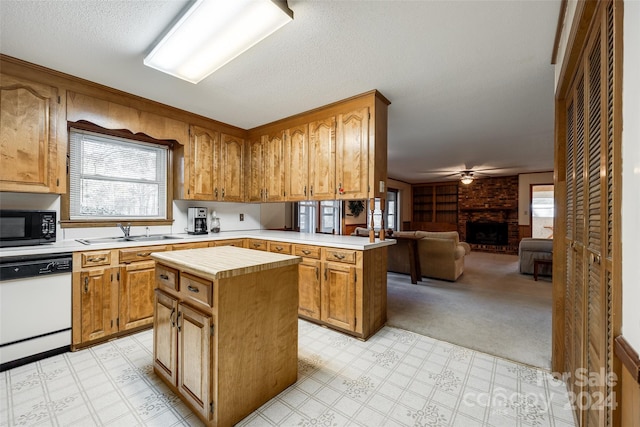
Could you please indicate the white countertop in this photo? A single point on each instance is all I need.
(223, 261)
(329, 240)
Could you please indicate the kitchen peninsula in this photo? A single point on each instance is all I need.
(225, 328)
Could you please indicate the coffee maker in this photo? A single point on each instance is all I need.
(197, 220)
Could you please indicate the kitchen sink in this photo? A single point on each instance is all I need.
(141, 238)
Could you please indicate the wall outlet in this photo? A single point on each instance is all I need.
(241, 217)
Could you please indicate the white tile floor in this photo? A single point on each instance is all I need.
(396, 378)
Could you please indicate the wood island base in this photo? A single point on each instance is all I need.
(226, 340)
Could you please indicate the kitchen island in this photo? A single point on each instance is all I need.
(225, 328)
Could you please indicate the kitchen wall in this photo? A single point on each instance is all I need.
(229, 214)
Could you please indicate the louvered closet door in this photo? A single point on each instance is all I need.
(592, 160)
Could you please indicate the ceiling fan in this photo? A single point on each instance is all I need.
(466, 176)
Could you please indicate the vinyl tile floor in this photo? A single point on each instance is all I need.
(396, 378)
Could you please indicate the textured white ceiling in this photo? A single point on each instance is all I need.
(470, 82)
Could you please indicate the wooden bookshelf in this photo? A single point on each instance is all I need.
(435, 206)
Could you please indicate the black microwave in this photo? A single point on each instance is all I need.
(27, 227)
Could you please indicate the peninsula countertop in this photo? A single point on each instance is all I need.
(327, 240)
(223, 261)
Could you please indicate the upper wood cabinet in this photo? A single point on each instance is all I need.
(296, 155)
(32, 158)
(254, 172)
(322, 159)
(352, 155)
(274, 167)
(213, 166)
(201, 160)
(231, 169)
(334, 152)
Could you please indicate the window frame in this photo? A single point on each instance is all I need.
(65, 205)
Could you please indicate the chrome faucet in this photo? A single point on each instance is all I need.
(125, 229)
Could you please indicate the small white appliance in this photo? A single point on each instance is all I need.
(197, 221)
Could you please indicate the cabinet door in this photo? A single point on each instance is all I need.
(255, 176)
(202, 161)
(274, 167)
(322, 159)
(338, 296)
(137, 281)
(165, 337)
(309, 288)
(297, 163)
(352, 161)
(195, 353)
(96, 313)
(28, 138)
(232, 169)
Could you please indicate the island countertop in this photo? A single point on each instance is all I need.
(223, 261)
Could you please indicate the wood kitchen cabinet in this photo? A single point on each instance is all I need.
(266, 168)
(231, 169)
(213, 166)
(322, 159)
(342, 288)
(274, 162)
(96, 287)
(334, 152)
(254, 188)
(112, 293)
(338, 295)
(352, 154)
(137, 281)
(201, 346)
(201, 162)
(32, 142)
(296, 155)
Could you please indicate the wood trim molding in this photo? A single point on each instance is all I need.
(628, 356)
(559, 26)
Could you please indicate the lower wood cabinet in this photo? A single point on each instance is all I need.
(136, 295)
(342, 288)
(95, 289)
(225, 356)
(309, 288)
(183, 351)
(338, 296)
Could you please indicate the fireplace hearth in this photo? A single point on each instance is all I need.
(488, 233)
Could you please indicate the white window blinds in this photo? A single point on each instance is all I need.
(116, 178)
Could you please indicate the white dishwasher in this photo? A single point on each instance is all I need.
(35, 308)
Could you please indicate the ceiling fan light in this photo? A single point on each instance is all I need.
(466, 178)
(212, 33)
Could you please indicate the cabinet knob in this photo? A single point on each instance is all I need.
(306, 252)
(86, 285)
(96, 259)
(193, 289)
(164, 277)
(339, 256)
(143, 254)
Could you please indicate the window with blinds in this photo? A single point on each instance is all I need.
(115, 178)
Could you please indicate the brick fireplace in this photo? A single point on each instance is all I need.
(488, 208)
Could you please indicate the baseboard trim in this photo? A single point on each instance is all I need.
(628, 356)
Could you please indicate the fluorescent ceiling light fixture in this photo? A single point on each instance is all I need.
(466, 178)
(211, 33)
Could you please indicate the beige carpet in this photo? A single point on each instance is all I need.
(491, 308)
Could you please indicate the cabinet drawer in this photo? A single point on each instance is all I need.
(195, 245)
(139, 254)
(167, 276)
(260, 245)
(239, 243)
(92, 259)
(280, 248)
(340, 255)
(196, 289)
(307, 251)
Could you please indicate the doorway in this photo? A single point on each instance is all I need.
(542, 211)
